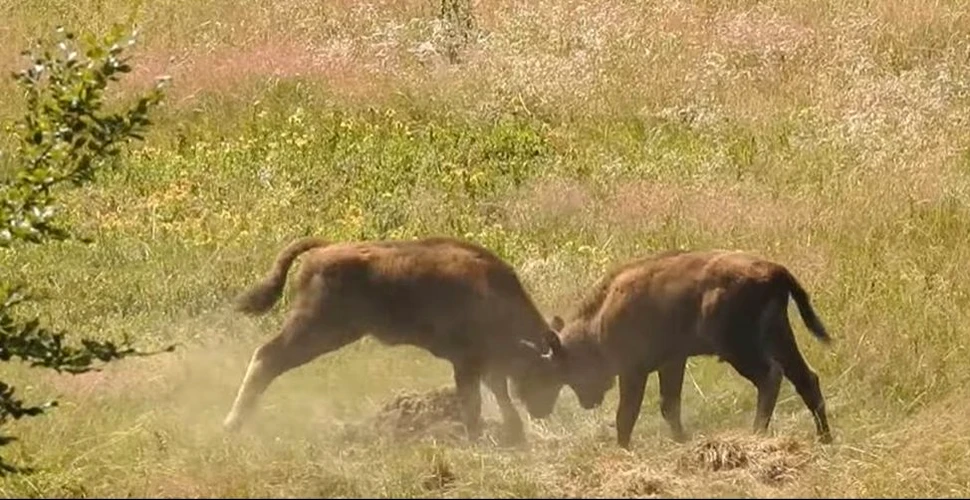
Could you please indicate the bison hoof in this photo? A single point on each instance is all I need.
(231, 424)
(825, 438)
(473, 434)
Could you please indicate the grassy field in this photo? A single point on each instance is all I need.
(568, 136)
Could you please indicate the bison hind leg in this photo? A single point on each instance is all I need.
(803, 378)
(750, 353)
(752, 356)
(304, 337)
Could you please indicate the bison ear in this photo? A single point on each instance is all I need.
(557, 323)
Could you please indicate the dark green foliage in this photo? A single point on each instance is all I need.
(63, 139)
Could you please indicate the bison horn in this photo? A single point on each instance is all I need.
(547, 354)
(555, 345)
(531, 345)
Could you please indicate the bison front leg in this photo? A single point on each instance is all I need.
(498, 384)
(768, 389)
(632, 385)
(671, 384)
(468, 376)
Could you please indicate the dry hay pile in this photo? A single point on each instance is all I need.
(637, 480)
(720, 465)
(771, 461)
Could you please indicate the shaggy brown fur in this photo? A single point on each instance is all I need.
(455, 299)
(653, 313)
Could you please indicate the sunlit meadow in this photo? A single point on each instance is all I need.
(567, 136)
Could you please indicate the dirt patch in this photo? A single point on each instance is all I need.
(412, 415)
(772, 461)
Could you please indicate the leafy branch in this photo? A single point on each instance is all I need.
(63, 140)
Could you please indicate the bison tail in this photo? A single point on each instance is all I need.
(261, 297)
(806, 310)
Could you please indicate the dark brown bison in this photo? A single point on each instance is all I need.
(653, 313)
(455, 299)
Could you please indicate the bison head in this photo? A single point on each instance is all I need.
(540, 380)
(580, 362)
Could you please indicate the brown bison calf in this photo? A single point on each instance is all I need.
(653, 313)
(455, 299)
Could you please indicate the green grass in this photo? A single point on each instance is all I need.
(571, 137)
